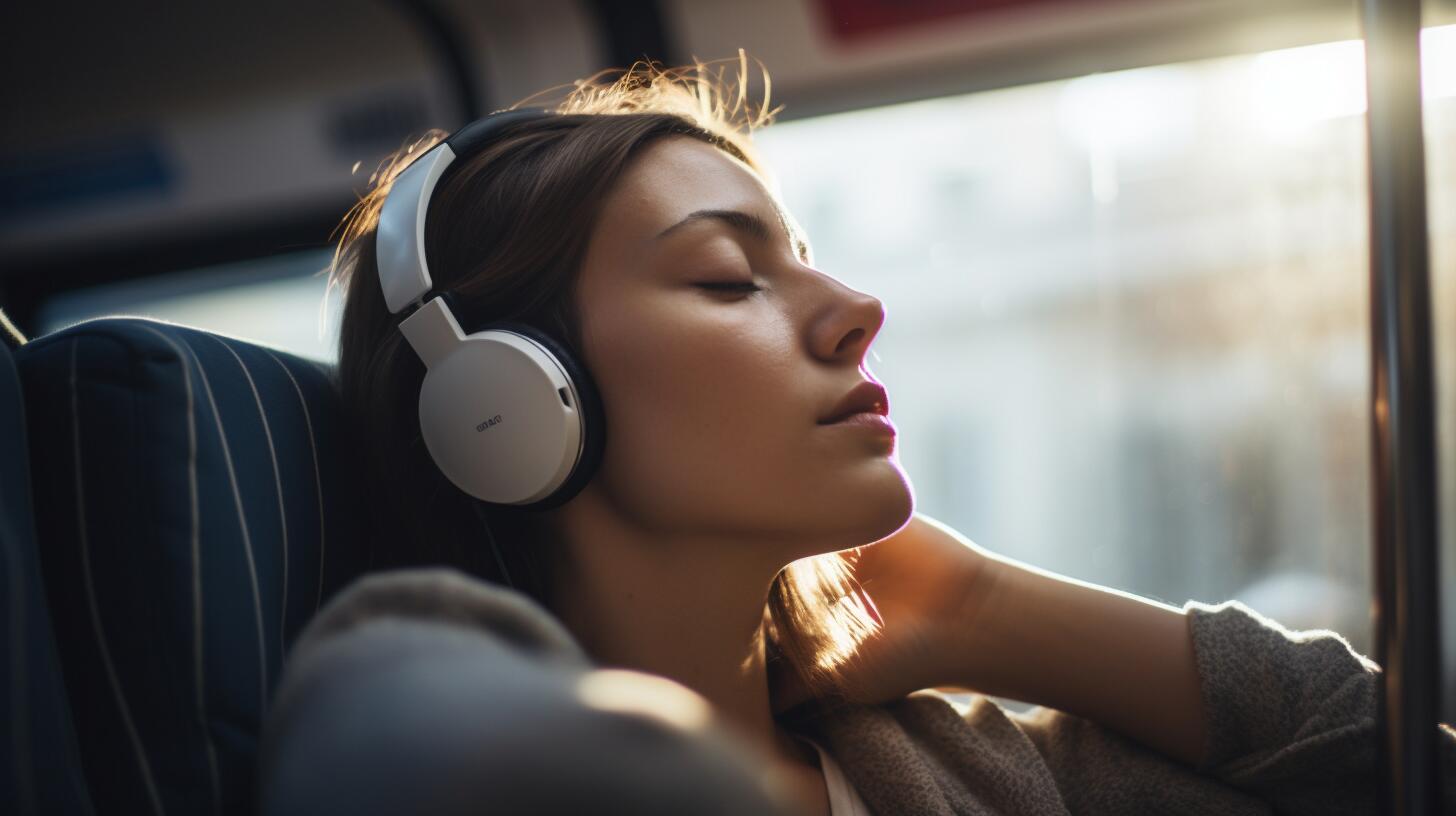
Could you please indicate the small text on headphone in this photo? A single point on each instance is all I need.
(495, 420)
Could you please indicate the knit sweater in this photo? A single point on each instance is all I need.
(1291, 717)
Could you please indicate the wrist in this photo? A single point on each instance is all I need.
(970, 641)
(994, 650)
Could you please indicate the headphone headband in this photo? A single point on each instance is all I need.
(400, 235)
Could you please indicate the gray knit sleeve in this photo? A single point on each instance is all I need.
(1292, 714)
(1291, 730)
(425, 691)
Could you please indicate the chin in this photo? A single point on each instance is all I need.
(866, 515)
(896, 507)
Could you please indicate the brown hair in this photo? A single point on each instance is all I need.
(506, 233)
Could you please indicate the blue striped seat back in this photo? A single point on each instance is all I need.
(194, 505)
(40, 766)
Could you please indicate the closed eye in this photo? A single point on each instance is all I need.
(731, 286)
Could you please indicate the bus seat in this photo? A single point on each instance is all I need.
(40, 769)
(192, 510)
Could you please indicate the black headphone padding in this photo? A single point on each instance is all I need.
(594, 425)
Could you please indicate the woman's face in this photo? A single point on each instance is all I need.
(713, 396)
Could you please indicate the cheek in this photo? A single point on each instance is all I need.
(701, 399)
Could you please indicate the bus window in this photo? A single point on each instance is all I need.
(1127, 314)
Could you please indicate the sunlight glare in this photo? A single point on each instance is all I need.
(630, 692)
(1297, 88)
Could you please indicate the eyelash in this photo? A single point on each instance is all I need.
(731, 286)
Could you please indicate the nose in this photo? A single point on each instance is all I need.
(847, 325)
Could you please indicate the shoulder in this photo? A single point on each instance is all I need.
(977, 751)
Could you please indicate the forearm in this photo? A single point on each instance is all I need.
(1123, 661)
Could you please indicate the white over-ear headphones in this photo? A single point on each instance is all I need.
(508, 413)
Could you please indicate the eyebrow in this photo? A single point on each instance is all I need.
(744, 222)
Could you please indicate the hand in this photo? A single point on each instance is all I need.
(928, 585)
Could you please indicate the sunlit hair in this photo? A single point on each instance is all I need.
(507, 233)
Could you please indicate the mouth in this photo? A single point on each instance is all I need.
(868, 399)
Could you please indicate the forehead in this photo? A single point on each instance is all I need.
(671, 178)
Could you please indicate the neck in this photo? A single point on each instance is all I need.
(683, 608)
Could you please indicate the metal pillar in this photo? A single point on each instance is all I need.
(1403, 431)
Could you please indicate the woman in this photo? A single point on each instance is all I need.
(739, 541)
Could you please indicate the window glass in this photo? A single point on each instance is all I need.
(1127, 333)
(276, 301)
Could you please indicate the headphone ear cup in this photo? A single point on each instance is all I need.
(499, 418)
(593, 416)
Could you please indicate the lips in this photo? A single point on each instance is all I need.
(867, 397)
